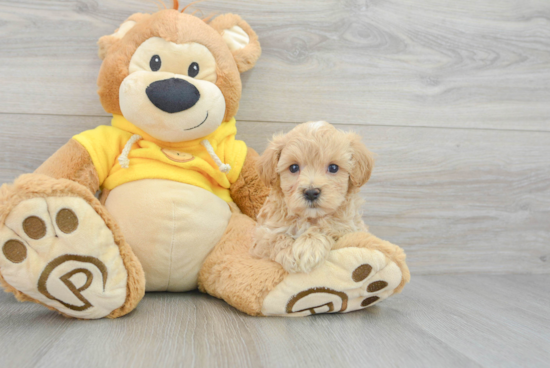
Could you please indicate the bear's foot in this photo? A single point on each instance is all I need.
(63, 251)
(363, 271)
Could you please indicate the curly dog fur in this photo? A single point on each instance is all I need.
(315, 172)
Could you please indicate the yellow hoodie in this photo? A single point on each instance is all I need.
(185, 162)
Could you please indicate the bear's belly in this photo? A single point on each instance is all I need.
(171, 228)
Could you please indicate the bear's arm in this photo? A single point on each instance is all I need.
(248, 191)
(72, 162)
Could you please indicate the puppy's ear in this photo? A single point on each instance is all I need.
(240, 38)
(362, 160)
(267, 164)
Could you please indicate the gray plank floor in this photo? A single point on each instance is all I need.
(439, 321)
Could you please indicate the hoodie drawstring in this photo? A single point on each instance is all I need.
(123, 158)
(224, 168)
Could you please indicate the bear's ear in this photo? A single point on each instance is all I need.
(240, 38)
(106, 42)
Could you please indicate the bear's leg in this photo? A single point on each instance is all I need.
(61, 248)
(231, 274)
(360, 271)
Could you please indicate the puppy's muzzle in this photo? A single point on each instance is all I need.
(173, 95)
(312, 194)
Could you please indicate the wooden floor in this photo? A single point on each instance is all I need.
(439, 321)
(453, 97)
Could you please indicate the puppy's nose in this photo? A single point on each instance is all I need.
(173, 95)
(312, 194)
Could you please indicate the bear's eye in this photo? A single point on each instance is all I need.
(332, 168)
(155, 63)
(193, 70)
(294, 168)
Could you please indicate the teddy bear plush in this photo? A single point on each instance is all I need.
(179, 194)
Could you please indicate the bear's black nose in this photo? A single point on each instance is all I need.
(173, 95)
(312, 194)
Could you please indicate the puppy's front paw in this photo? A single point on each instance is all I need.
(255, 251)
(286, 259)
(307, 252)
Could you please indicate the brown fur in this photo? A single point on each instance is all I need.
(106, 42)
(247, 56)
(179, 28)
(72, 162)
(363, 161)
(35, 185)
(249, 192)
(230, 273)
(103, 196)
(293, 231)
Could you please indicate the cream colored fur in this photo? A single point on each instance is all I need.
(183, 224)
(31, 186)
(94, 240)
(293, 231)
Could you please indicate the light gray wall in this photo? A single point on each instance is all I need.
(453, 96)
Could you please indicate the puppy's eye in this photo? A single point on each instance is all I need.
(193, 70)
(155, 63)
(294, 168)
(332, 168)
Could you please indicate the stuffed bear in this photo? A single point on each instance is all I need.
(179, 194)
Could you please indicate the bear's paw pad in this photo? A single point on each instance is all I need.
(350, 279)
(60, 252)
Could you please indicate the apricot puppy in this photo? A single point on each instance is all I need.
(315, 172)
